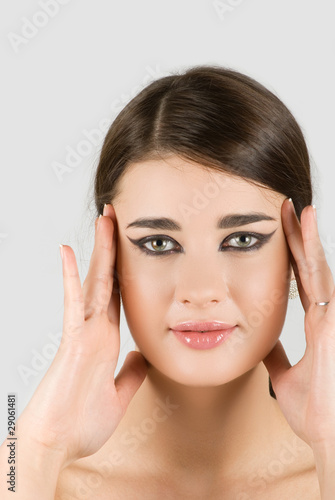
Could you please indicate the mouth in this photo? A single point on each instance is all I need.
(202, 335)
(201, 326)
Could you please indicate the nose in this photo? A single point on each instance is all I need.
(201, 281)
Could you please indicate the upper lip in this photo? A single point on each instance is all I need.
(203, 326)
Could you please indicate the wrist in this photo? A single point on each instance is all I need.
(39, 457)
(324, 454)
(324, 451)
(30, 469)
(41, 451)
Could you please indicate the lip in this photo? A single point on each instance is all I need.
(202, 335)
(201, 326)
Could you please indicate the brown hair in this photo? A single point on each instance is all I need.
(220, 119)
(214, 116)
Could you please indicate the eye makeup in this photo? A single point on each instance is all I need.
(247, 237)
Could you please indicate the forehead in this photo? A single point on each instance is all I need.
(174, 186)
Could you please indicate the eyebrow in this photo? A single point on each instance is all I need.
(228, 221)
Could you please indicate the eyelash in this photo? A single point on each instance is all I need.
(261, 237)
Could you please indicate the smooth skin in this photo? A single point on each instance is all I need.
(78, 404)
(305, 391)
(224, 411)
(81, 411)
(82, 375)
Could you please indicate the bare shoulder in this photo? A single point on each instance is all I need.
(302, 485)
(308, 484)
(81, 481)
(300, 480)
(85, 479)
(113, 476)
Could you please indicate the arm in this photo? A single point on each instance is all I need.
(325, 467)
(305, 391)
(79, 385)
(34, 474)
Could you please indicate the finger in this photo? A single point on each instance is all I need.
(73, 297)
(277, 363)
(293, 235)
(320, 276)
(130, 377)
(98, 285)
(113, 310)
(329, 317)
(303, 296)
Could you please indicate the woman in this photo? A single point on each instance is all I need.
(205, 190)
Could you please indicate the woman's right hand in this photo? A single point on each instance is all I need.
(78, 404)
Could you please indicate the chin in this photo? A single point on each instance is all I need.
(197, 372)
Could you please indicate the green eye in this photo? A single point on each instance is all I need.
(245, 240)
(159, 244)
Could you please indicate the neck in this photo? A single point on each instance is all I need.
(205, 427)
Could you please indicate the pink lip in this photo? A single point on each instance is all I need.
(205, 326)
(202, 335)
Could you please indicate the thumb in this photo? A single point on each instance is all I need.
(276, 363)
(130, 377)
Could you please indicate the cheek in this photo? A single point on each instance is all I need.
(263, 294)
(144, 294)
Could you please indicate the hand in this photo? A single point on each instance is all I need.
(305, 391)
(78, 404)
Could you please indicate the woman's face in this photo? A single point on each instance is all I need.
(200, 272)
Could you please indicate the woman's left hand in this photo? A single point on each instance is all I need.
(306, 391)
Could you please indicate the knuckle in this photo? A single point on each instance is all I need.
(107, 244)
(78, 300)
(102, 278)
(97, 305)
(95, 310)
(302, 266)
(71, 329)
(97, 280)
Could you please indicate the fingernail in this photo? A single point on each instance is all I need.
(99, 220)
(104, 210)
(314, 211)
(61, 251)
(291, 201)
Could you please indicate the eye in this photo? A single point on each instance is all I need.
(158, 245)
(243, 241)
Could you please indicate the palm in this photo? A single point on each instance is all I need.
(78, 404)
(305, 391)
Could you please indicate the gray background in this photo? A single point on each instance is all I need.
(67, 78)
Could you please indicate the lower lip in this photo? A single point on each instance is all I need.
(206, 340)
